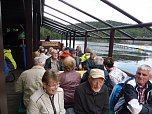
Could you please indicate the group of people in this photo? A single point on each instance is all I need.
(53, 86)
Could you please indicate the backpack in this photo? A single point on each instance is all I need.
(117, 96)
(6, 69)
(9, 59)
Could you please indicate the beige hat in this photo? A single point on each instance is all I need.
(97, 73)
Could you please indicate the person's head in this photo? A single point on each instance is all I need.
(50, 81)
(36, 54)
(54, 54)
(69, 63)
(47, 38)
(50, 50)
(42, 50)
(73, 52)
(87, 50)
(39, 61)
(96, 79)
(40, 47)
(92, 55)
(66, 50)
(98, 60)
(143, 75)
(108, 62)
(78, 48)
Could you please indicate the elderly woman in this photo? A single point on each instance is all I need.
(69, 80)
(50, 98)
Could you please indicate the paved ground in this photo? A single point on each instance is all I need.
(13, 98)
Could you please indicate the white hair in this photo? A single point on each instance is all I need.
(144, 67)
(39, 60)
(98, 60)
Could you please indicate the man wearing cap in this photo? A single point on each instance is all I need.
(77, 59)
(92, 97)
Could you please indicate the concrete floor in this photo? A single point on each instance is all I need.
(13, 98)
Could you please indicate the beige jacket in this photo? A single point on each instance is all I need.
(40, 103)
(30, 81)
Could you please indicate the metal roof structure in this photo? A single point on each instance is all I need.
(27, 16)
(93, 30)
(66, 4)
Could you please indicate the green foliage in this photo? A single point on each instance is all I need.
(135, 32)
(44, 32)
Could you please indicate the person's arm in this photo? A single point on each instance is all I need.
(131, 98)
(32, 108)
(78, 108)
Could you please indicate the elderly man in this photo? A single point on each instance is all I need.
(92, 97)
(138, 92)
(53, 62)
(31, 80)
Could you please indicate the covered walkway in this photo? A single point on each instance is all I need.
(25, 17)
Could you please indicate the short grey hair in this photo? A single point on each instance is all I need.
(145, 67)
(98, 60)
(39, 60)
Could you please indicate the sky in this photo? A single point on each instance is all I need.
(140, 9)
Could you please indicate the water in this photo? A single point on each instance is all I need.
(125, 58)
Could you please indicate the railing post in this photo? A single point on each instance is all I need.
(74, 40)
(86, 40)
(111, 42)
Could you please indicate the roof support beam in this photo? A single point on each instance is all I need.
(123, 12)
(29, 32)
(75, 19)
(124, 27)
(111, 42)
(74, 24)
(60, 24)
(96, 18)
(52, 28)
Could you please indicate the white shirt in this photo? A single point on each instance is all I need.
(116, 75)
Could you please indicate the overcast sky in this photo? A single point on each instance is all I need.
(141, 9)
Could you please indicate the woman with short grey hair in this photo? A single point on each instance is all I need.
(50, 98)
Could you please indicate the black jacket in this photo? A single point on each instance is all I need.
(131, 98)
(48, 64)
(88, 102)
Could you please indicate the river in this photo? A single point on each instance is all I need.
(125, 59)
